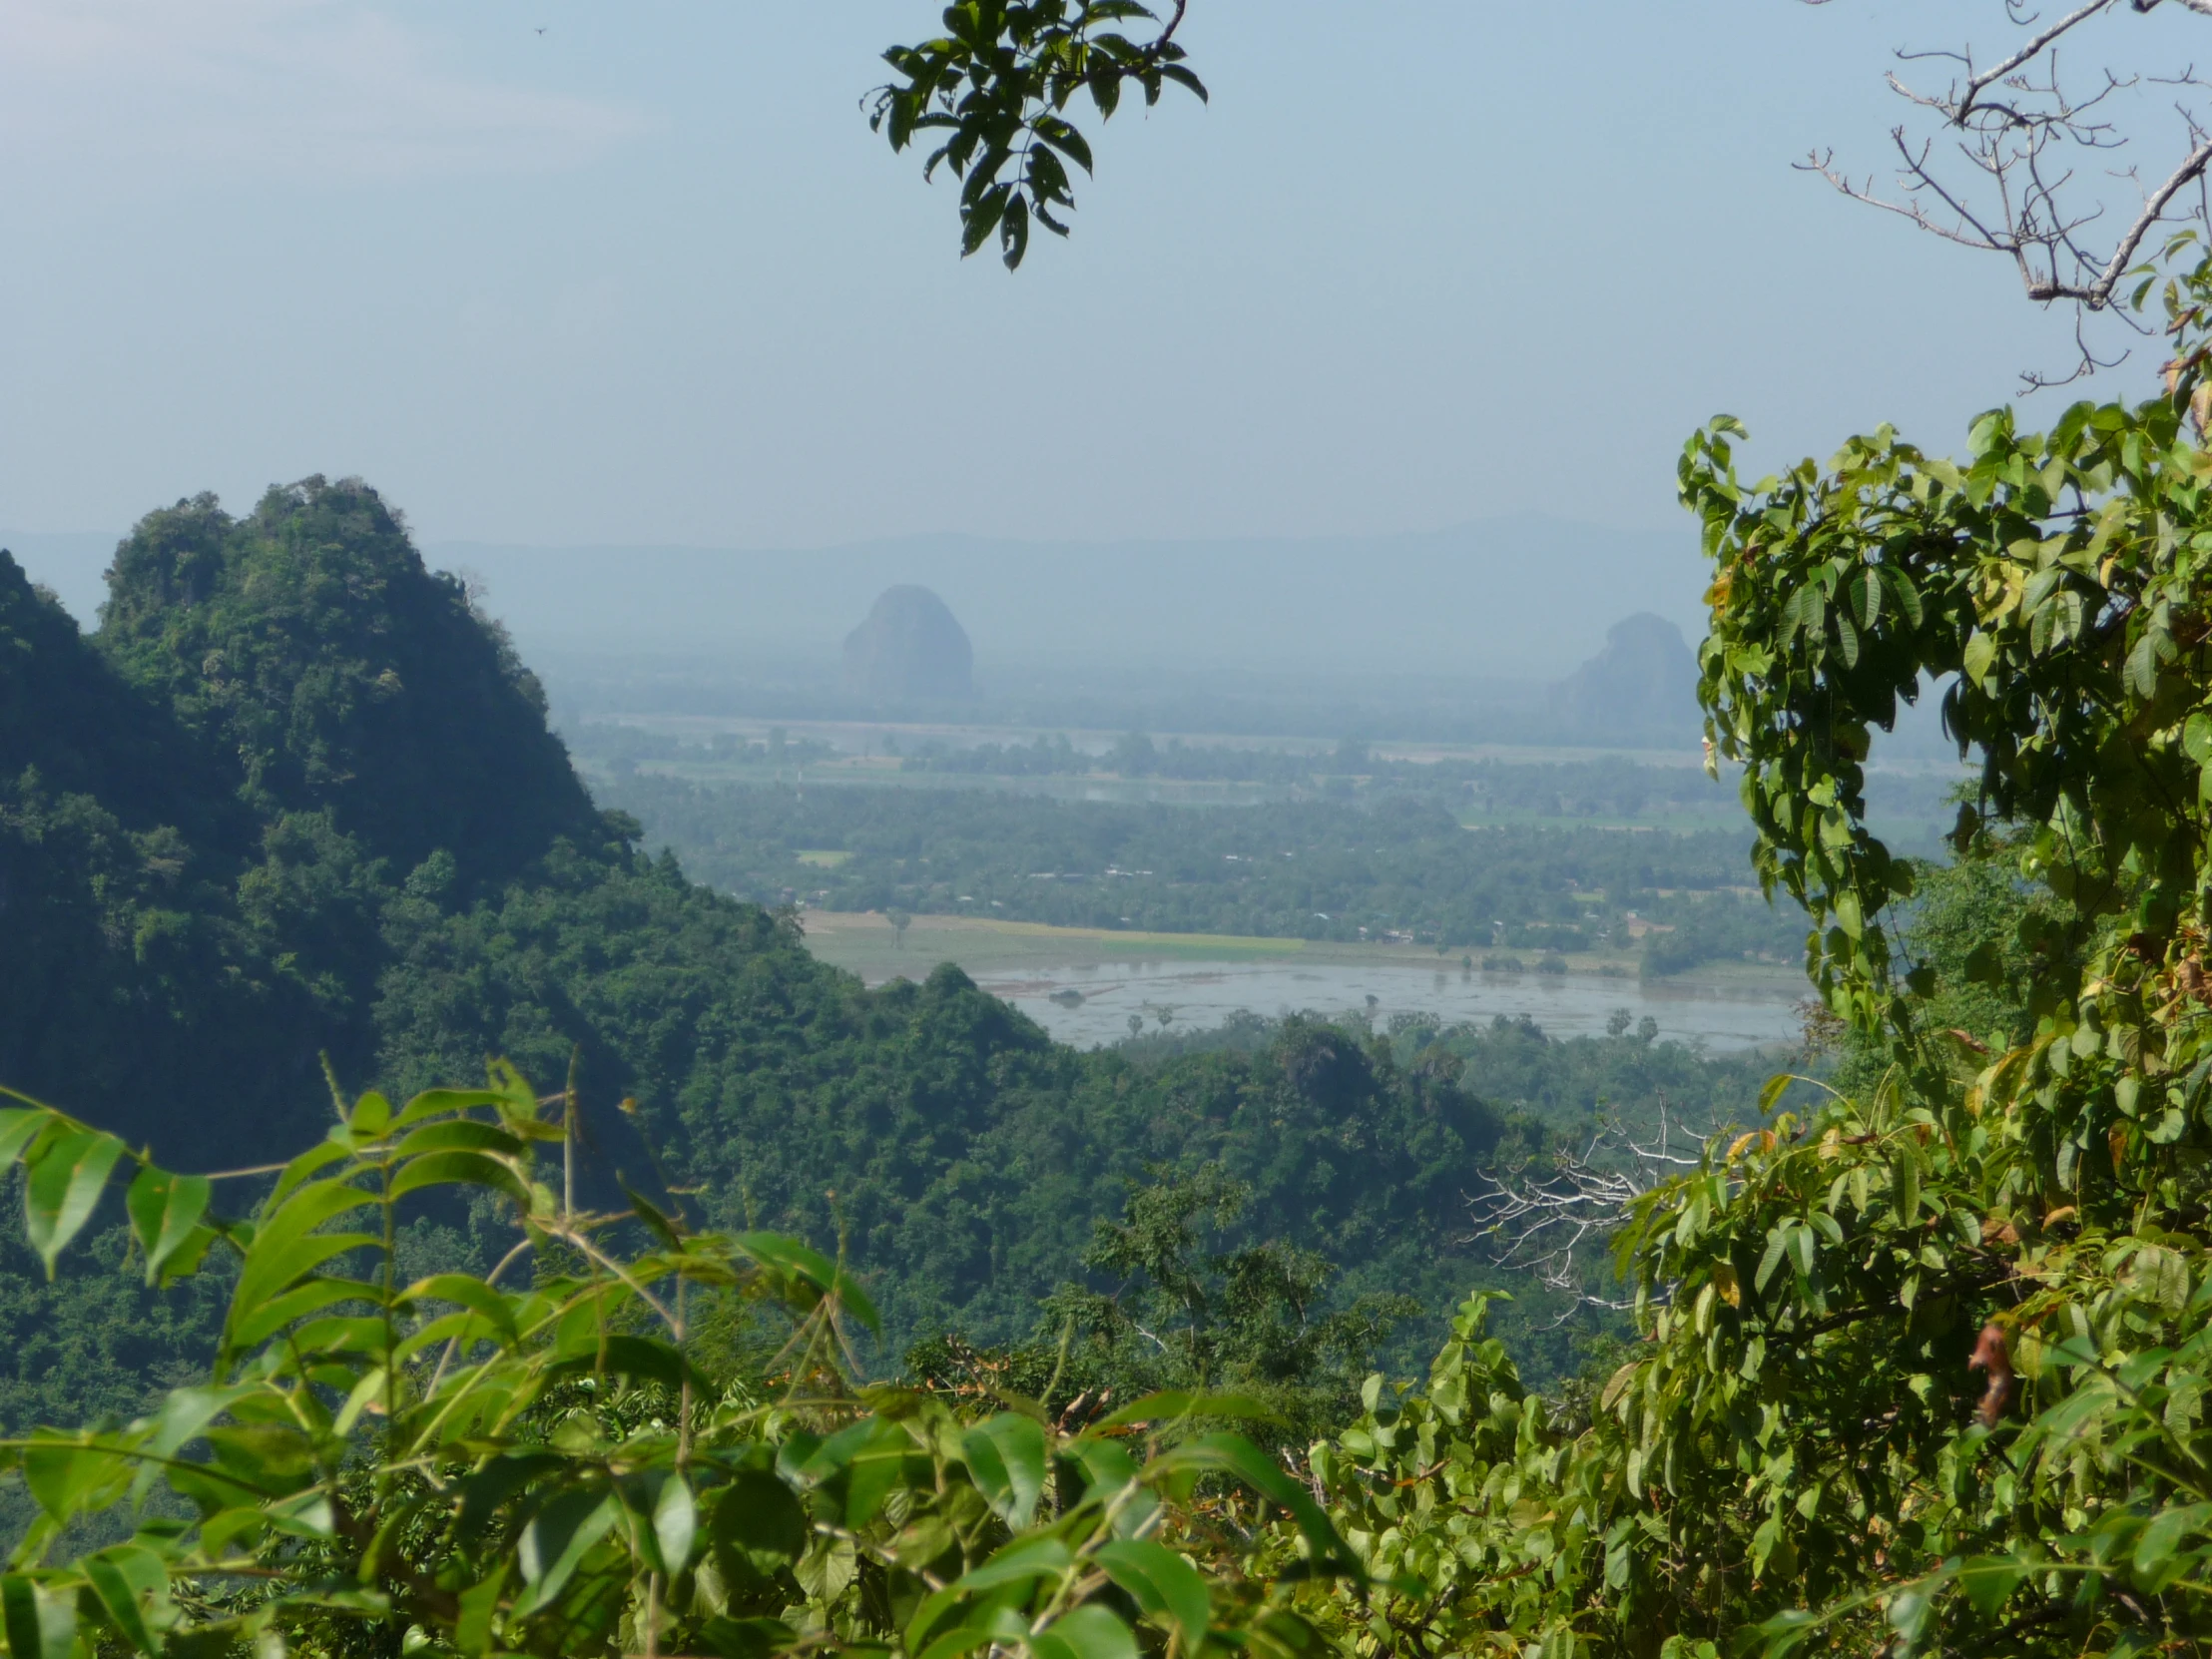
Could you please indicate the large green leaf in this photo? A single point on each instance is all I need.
(283, 1249)
(1090, 1633)
(556, 1541)
(459, 1168)
(70, 1474)
(164, 1211)
(20, 1126)
(1163, 1583)
(460, 1135)
(133, 1589)
(787, 1256)
(1006, 1457)
(66, 1174)
(1023, 1561)
(1233, 1455)
(675, 1522)
(41, 1624)
(481, 1299)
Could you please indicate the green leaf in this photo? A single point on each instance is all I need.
(556, 1541)
(994, 1625)
(790, 1257)
(472, 1631)
(165, 1210)
(1778, 1246)
(461, 1169)
(1163, 1583)
(1173, 1405)
(2154, 1549)
(20, 1125)
(1235, 1456)
(674, 1524)
(460, 1135)
(2140, 673)
(133, 1587)
(1006, 1457)
(65, 1178)
(1184, 78)
(249, 1327)
(658, 1220)
(69, 1475)
(1905, 1186)
(282, 1250)
(40, 1624)
(647, 1359)
(1090, 1633)
(471, 1293)
(371, 1116)
(1770, 1095)
(2196, 739)
(1981, 653)
(441, 1102)
(1022, 1561)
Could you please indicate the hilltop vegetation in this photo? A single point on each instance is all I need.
(294, 799)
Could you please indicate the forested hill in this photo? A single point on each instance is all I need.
(296, 798)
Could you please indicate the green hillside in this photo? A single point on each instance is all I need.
(296, 798)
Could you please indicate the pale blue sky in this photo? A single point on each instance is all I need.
(648, 278)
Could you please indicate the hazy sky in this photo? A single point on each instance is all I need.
(646, 276)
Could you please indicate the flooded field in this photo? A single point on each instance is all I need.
(1084, 986)
(1093, 1003)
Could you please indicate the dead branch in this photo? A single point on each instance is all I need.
(2000, 171)
(1542, 1218)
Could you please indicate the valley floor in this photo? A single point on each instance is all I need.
(1085, 985)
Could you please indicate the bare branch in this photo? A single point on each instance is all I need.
(2099, 292)
(1543, 1218)
(2009, 183)
(2028, 54)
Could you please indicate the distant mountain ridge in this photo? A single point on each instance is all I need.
(1454, 635)
(1511, 597)
(1523, 597)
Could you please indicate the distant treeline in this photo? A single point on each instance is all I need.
(1402, 867)
(1412, 709)
(1606, 787)
(1912, 808)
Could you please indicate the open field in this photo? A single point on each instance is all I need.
(865, 945)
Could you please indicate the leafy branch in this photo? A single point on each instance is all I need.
(996, 87)
(550, 1469)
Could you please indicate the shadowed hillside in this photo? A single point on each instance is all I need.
(296, 798)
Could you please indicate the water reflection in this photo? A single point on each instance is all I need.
(1093, 1003)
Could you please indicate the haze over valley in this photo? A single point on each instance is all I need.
(1105, 830)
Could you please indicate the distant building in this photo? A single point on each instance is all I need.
(911, 649)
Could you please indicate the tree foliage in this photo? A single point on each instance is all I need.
(1923, 1369)
(993, 93)
(476, 1464)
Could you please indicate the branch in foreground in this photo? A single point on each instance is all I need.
(1541, 1219)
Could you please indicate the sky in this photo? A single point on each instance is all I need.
(570, 273)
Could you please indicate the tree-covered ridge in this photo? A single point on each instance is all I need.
(206, 806)
(324, 667)
(375, 853)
